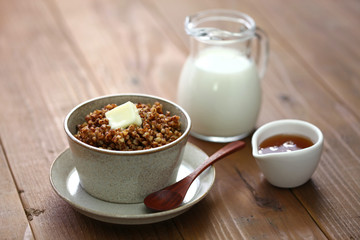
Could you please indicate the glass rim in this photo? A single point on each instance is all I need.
(193, 21)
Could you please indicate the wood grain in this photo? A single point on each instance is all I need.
(312, 100)
(13, 221)
(244, 205)
(55, 54)
(124, 53)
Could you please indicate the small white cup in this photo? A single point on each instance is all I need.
(288, 169)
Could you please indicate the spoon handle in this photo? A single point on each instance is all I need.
(221, 153)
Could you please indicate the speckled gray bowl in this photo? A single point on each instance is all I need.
(125, 176)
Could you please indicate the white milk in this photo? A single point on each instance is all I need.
(220, 89)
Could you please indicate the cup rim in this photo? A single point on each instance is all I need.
(183, 136)
(260, 130)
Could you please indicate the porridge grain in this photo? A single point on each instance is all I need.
(157, 129)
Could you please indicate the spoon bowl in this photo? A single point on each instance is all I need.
(172, 196)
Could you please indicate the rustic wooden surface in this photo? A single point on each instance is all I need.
(55, 54)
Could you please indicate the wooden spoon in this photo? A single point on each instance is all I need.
(172, 196)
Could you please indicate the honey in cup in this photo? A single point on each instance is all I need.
(288, 169)
(284, 143)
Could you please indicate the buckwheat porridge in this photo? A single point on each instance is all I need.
(157, 129)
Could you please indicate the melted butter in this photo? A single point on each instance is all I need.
(123, 116)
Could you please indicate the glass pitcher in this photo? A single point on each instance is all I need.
(219, 84)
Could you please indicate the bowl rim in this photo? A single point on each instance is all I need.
(276, 123)
(183, 136)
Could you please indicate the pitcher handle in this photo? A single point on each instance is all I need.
(262, 51)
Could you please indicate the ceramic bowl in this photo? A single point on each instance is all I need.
(125, 176)
(288, 169)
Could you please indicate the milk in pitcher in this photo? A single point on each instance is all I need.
(220, 89)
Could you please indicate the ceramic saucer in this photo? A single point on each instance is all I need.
(65, 181)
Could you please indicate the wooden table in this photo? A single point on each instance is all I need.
(55, 54)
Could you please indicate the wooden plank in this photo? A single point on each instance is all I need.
(35, 74)
(13, 221)
(56, 54)
(328, 182)
(41, 80)
(334, 61)
(311, 99)
(124, 46)
(333, 197)
(243, 205)
(116, 13)
(43, 76)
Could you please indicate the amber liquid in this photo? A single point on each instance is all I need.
(284, 143)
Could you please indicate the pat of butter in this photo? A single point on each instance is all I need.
(123, 116)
